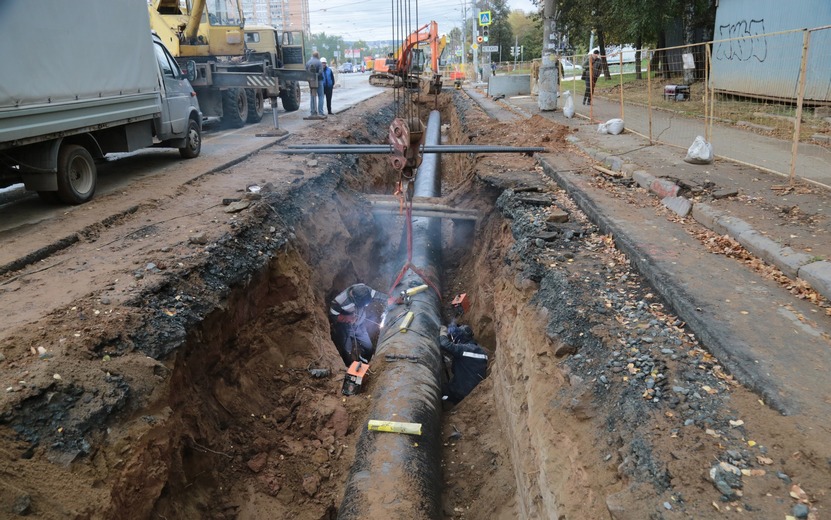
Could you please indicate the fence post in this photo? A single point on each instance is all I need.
(707, 113)
(621, 81)
(799, 100)
(649, 95)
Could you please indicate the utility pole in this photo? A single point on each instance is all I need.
(464, 35)
(473, 37)
(548, 84)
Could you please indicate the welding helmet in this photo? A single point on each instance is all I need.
(361, 295)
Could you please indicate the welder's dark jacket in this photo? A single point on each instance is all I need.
(470, 366)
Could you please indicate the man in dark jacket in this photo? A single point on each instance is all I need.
(470, 361)
(315, 86)
(328, 84)
(590, 75)
(347, 317)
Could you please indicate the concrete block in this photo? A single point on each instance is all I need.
(760, 245)
(731, 226)
(628, 169)
(706, 215)
(818, 275)
(723, 194)
(614, 163)
(664, 188)
(643, 178)
(509, 85)
(789, 261)
(680, 205)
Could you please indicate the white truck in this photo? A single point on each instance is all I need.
(79, 80)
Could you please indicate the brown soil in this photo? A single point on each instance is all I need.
(182, 390)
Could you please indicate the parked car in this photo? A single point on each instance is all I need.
(570, 68)
(346, 67)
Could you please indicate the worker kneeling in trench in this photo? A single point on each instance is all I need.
(347, 317)
(470, 362)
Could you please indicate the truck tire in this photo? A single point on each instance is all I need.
(193, 145)
(255, 105)
(234, 108)
(77, 174)
(291, 97)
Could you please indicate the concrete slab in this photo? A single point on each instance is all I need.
(509, 85)
(644, 179)
(664, 188)
(706, 215)
(731, 226)
(818, 275)
(680, 205)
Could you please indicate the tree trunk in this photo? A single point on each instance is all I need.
(689, 39)
(601, 44)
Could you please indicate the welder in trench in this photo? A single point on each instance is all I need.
(347, 317)
(470, 362)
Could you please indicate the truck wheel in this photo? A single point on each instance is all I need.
(234, 108)
(77, 174)
(291, 97)
(194, 141)
(255, 105)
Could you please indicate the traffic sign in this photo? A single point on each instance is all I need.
(473, 47)
(485, 18)
(480, 39)
(490, 48)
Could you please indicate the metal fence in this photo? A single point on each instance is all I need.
(757, 92)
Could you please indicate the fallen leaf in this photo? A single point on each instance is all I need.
(764, 460)
(716, 506)
(736, 423)
(751, 443)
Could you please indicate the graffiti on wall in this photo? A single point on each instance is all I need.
(743, 41)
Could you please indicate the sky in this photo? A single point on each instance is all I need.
(370, 20)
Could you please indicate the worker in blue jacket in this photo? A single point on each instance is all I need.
(328, 84)
(470, 361)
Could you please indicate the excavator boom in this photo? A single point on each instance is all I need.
(400, 68)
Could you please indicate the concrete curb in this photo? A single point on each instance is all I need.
(793, 264)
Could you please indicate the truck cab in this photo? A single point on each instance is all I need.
(283, 52)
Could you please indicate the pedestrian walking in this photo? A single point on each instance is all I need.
(315, 66)
(328, 84)
(591, 72)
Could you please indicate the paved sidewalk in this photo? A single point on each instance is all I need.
(773, 342)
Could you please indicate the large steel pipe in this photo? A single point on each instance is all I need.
(398, 476)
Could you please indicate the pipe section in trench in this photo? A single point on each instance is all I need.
(398, 476)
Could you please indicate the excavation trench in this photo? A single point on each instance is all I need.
(249, 430)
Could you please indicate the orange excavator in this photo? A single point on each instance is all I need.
(404, 67)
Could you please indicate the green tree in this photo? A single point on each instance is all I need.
(325, 45)
(527, 31)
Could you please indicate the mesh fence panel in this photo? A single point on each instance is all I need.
(743, 94)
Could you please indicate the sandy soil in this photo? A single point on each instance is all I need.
(181, 389)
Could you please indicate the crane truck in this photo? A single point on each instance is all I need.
(230, 80)
(94, 80)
